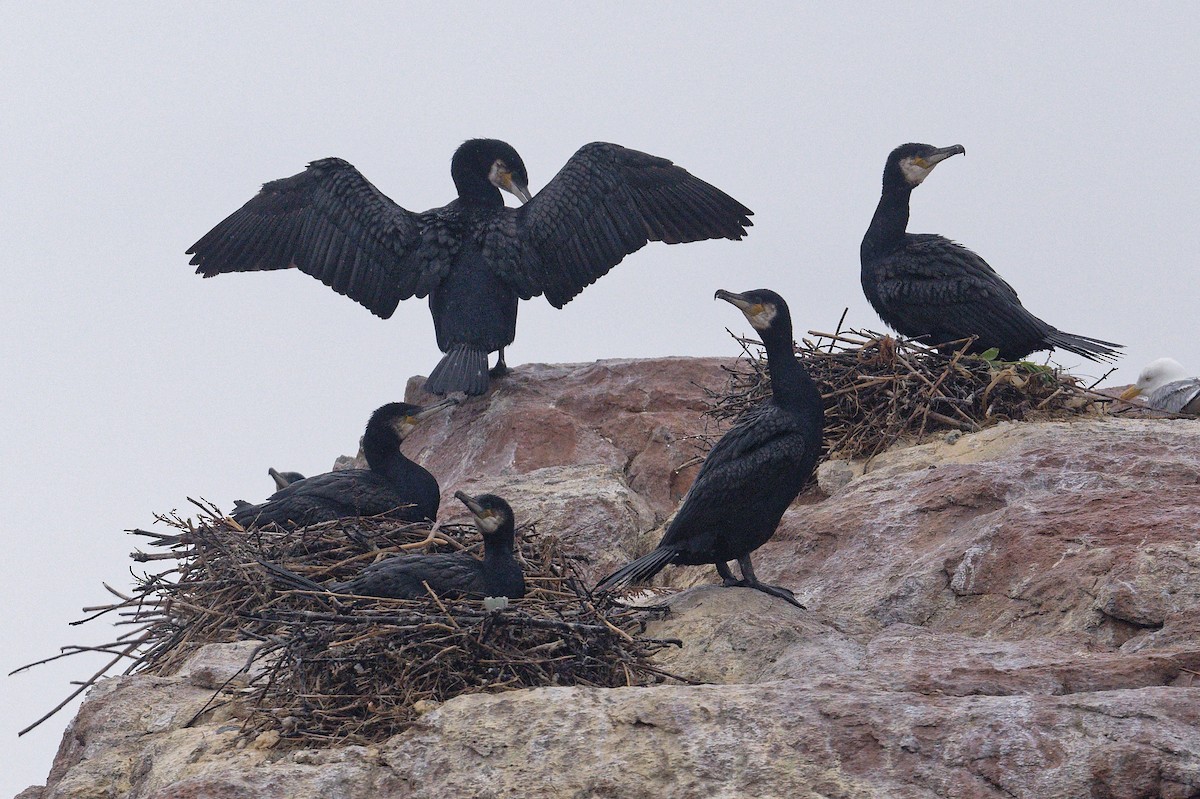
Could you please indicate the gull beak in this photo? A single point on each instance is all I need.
(1130, 393)
(469, 501)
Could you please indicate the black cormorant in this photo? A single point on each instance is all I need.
(392, 481)
(926, 286)
(454, 574)
(474, 257)
(753, 473)
(283, 479)
(1166, 386)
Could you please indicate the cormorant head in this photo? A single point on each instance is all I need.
(764, 309)
(1155, 375)
(284, 479)
(402, 417)
(490, 511)
(909, 164)
(497, 161)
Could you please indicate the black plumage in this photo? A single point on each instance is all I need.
(391, 483)
(475, 257)
(926, 286)
(455, 574)
(753, 472)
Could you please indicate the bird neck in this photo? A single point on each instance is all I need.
(791, 385)
(499, 545)
(381, 448)
(476, 190)
(886, 232)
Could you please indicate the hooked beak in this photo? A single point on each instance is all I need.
(519, 190)
(942, 153)
(737, 299)
(281, 482)
(1130, 393)
(469, 501)
(430, 410)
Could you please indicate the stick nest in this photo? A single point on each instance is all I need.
(879, 390)
(334, 669)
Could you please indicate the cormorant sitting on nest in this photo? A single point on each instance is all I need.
(454, 574)
(753, 473)
(392, 483)
(473, 257)
(1166, 386)
(926, 286)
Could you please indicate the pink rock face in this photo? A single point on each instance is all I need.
(1012, 613)
(636, 416)
(1085, 530)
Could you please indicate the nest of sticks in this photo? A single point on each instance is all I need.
(880, 389)
(333, 669)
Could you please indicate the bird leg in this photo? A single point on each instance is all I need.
(750, 581)
(727, 578)
(501, 368)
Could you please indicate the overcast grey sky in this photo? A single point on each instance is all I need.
(130, 129)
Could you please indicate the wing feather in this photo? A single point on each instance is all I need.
(938, 286)
(608, 202)
(331, 223)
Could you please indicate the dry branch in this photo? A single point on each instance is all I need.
(880, 389)
(350, 669)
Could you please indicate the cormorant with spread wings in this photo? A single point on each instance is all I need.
(475, 257)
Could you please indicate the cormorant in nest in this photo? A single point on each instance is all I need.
(453, 574)
(474, 257)
(753, 473)
(283, 479)
(926, 286)
(391, 483)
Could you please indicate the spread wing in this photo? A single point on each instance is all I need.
(605, 203)
(944, 286)
(331, 223)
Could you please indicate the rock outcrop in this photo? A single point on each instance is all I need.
(1012, 613)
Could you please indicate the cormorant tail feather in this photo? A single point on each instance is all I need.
(1091, 348)
(639, 570)
(463, 368)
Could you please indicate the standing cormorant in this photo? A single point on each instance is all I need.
(1166, 386)
(753, 473)
(453, 574)
(926, 286)
(474, 257)
(392, 481)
